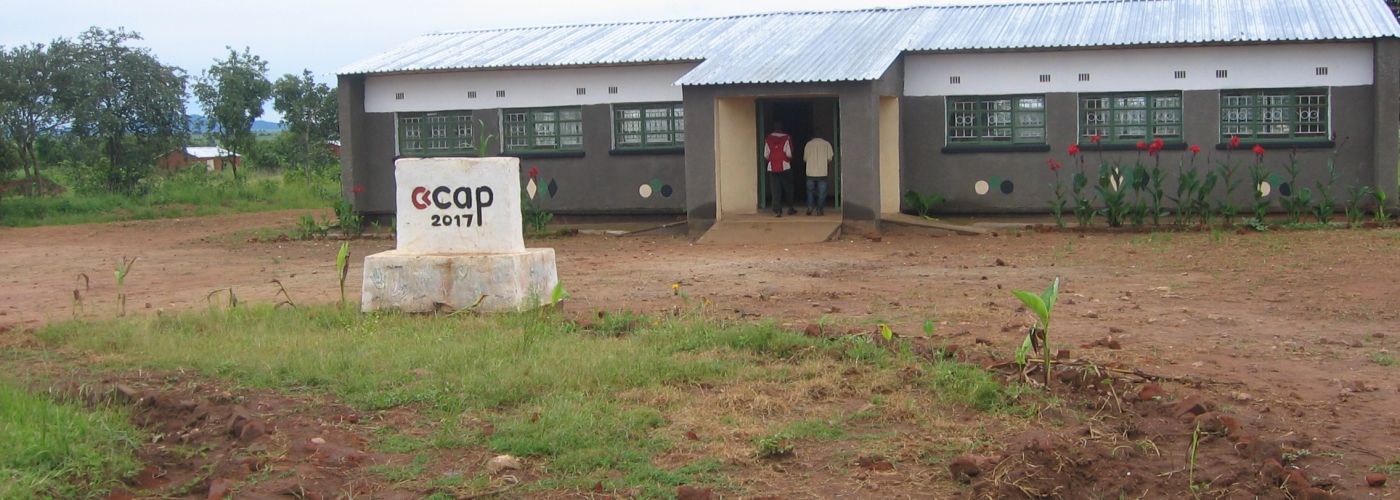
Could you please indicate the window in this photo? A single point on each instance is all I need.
(1275, 114)
(435, 134)
(1129, 118)
(996, 120)
(543, 129)
(643, 126)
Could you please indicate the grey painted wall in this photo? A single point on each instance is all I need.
(598, 182)
(929, 170)
(1386, 98)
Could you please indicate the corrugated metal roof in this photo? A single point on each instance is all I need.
(861, 44)
(207, 152)
(1103, 23)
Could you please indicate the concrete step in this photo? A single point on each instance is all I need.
(769, 230)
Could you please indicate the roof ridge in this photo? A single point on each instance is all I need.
(707, 18)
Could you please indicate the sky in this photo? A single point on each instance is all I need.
(323, 35)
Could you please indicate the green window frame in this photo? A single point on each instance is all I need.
(996, 120)
(1264, 115)
(543, 129)
(1130, 117)
(439, 133)
(649, 126)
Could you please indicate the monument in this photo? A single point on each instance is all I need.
(460, 242)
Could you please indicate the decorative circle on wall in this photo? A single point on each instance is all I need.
(667, 191)
(981, 187)
(1007, 187)
(553, 188)
(1285, 189)
(644, 190)
(1265, 188)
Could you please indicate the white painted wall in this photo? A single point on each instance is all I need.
(1112, 70)
(524, 88)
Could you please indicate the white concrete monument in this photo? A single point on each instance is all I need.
(460, 242)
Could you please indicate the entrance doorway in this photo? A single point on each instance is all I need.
(803, 118)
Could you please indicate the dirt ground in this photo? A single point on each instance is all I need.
(1280, 337)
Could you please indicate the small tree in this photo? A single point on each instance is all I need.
(128, 101)
(309, 110)
(35, 97)
(232, 93)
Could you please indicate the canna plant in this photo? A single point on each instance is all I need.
(1201, 203)
(1041, 305)
(1258, 175)
(1294, 204)
(1187, 182)
(1355, 213)
(1137, 178)
(1381, 216)
(1326, 205)
(123, 268)
(1083, 204)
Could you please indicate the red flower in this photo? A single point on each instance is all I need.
(1073, 149)
(1234, 141)
(1195, 150)
(1142, 146)
(1155, 147)
(1095, 138)
(357, 189)
(1054, 165)
(1159, 143)
(1259, 151)
(534, 172)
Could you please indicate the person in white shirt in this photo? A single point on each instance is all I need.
(819, 156)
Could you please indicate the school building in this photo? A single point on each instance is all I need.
(965, 101)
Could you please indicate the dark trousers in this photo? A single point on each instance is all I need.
(816, 193)
(780, 190)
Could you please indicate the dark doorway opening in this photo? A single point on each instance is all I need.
(803, 118)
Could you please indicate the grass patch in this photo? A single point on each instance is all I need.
(571, 399)
(184, 194)
(1384, 359)
(50, 449)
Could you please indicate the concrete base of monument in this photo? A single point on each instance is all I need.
(488, 282)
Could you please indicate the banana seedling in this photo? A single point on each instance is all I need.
(342, 264)
(123, 268)
(1041, 305)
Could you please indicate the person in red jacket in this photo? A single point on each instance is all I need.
(777, 155)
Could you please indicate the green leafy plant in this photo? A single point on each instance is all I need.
(1326, 206)
(1113, 193)
(1137, 178)
(1201, 204)
(774, 446)
(1058, 201)
(535, 219)
(123, 269)
(558, 295)
(342, 266)
(1258, 175)
(1381, 216)
(350, 223)
(308, 228)
(1225, 207)
(483, 145)
(922, 204)
(1187, 182)
(1357, 195)
(1156, 191)
(1293, 204)
(886, 333)
(1041, 305)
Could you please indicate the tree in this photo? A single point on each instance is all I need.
(36, 97)
(133, 105)
(309, 110)
(232, 93)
